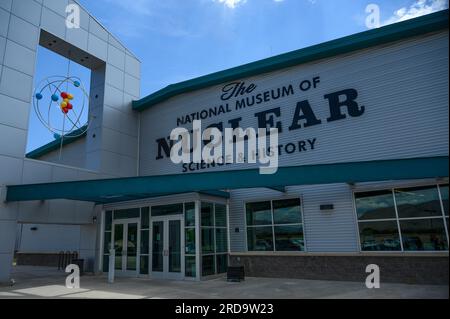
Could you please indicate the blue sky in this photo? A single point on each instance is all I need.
(178, 40)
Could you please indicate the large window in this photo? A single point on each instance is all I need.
(145, 241)
(214, 239)
(189, 233)
(107, 239)
(403, 219)
(275, 226)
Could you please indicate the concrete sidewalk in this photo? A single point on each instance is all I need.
(39, 282)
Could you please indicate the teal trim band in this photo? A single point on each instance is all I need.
(397, 31)
(54, 145)
(122, 189)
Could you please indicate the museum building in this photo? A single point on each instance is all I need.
(362, 152)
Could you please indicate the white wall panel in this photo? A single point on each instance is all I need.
(6, 4)
(29, 10)
(4, 22)
(21, 22)
(23, 32)
(20, 58)
(14, 112)
(53, 23)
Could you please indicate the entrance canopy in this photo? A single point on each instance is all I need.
(104, 191)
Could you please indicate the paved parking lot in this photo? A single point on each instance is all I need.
(33, 282)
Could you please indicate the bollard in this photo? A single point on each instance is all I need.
(112, 258)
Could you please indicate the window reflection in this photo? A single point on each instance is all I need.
(375, 205)
(376, 236)
(163, 210)
(287, 211)
(208, 265)
(259, 213)
(284, 233)
(222, 263)
(207, 214)
(418, 202)
(420, 223)
(424, 234)
(108, 220)
(260, 239)
(289, 238)
(107, 242)
(207, 240)
(190, 269)
(221, 240)
(190, 241)
(189, 220)
(145, 236)
(145, 217)
(220, 215)
(189, 237)
(444, 195)
(144, 265)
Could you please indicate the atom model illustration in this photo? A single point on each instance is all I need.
(67, 95)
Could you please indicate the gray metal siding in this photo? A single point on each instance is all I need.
(331, 231)
(404, 87)
(73, 154)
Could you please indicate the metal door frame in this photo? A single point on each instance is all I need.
(165, 274)
(125, 222)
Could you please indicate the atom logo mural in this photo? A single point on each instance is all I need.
(66, 97)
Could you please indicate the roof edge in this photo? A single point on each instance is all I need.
(54, 145)
(390, 33)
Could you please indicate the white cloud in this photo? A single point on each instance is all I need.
(231, 3)
(418, 8)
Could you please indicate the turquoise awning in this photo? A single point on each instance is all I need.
(124, 189)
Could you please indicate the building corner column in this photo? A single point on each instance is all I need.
(8, 230)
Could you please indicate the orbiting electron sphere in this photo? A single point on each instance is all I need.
(62, 95)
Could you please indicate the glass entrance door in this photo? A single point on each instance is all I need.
(167, 247)
(126, 243)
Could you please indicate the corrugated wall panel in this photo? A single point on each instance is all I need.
(332, 231)
(404, 87)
